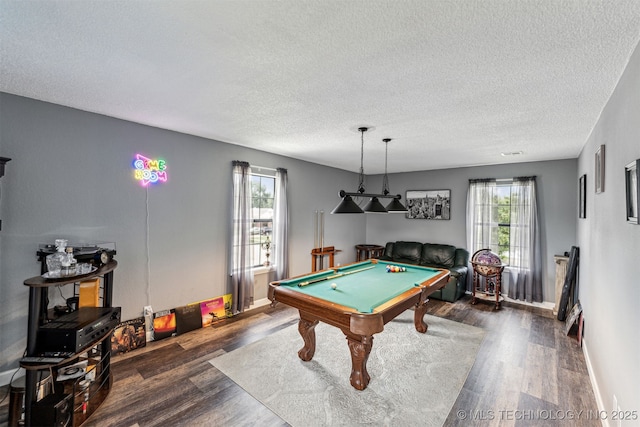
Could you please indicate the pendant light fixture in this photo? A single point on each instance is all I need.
(349, 206)
(395, 206)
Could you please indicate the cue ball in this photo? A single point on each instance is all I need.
(333, 286)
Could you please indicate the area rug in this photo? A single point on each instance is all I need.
(415, 378)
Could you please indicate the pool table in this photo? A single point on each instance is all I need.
(359, 299)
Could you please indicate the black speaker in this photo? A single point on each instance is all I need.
(54, 409)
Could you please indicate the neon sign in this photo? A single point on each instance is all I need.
(149, 171)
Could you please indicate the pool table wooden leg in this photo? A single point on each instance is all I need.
(306, 327)
(360, 348)
(418, 317)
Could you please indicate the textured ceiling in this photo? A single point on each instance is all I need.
(454, 83)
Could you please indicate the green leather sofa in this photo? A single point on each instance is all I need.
(454, 259)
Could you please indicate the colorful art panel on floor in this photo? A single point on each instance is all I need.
(129, 335)
(188, 318)
(164, 324)
(215, 309)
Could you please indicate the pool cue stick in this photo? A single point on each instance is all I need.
(315, 229)
(321, 230)
(301, 284)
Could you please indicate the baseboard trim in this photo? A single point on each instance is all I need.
(546, 305)
(259, 303)
(594, 383)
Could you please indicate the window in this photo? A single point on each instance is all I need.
(258, 218)
(502, 216)
(502, 200)
(496, 220)
(259, 211)
(262, 203)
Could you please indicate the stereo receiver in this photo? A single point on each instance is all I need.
(75, 331)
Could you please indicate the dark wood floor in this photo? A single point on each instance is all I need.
(527, 372)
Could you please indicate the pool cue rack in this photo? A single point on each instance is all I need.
(319, 251)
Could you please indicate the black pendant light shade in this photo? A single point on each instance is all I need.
(347, 206)
(396, 207)
(374, 206)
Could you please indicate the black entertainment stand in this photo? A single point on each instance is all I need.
(75, 399)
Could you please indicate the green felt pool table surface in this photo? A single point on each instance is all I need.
(362, 286)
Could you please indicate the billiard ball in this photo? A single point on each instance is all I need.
(333, 286)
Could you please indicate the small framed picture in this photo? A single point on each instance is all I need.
(573, 316)
(582, 197)
(599, 180)
(428, 204)
(632, 176)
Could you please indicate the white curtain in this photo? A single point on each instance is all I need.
(524, 245)
(240, 273)
(482, 218)
(281, 225)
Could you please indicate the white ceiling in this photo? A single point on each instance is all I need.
(454, 83)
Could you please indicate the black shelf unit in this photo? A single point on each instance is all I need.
(98, 350)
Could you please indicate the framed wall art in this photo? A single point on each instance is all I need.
(428, 204)
(632, 177)
(572, 318)
(599, 175)
(582, 197)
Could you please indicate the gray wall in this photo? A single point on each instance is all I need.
(71, 177)
(610, 250)
(557, 194)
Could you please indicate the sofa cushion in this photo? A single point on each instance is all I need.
(407, 252)
(388, 251)
(462, 257)
(438, 255)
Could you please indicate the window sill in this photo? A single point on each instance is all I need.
(262, 270)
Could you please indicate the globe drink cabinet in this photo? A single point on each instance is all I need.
(487, 277)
